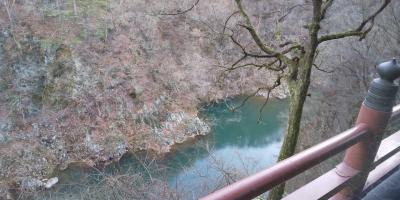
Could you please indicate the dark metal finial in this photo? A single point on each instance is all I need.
(382, 91)
(389, 71)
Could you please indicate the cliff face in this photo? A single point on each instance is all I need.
(89, 81)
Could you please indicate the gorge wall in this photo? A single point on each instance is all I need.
(90, 81)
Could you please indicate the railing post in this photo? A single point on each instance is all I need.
(375, 112)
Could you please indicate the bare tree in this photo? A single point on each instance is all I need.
(294, 62)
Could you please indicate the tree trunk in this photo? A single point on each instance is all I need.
(298, 89)
(298, 84)
(289, 143)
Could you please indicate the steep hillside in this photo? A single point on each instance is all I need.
(88, 80)
(91, 80)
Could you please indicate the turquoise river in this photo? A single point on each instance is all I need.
(238, 145)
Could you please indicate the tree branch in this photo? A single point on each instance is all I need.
(297, 46)
(269, 66)
(372, 17)
(322, 70)
(246, 53)
(253, 32)
(247, 98)
(184, 11)
(339, 35)
(227, 20)
(269, 90)
(275, 85)
(266, 49)
(325, 7)
(289, 10)
(359, 30)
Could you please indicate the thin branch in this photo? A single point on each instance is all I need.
(339, 35)
(227, 20)
(246, 53)
(289, 10)
(247, 98)
(372, 17)
(238, 61)
(323, 70)
(260, 66)
(359, 30)
(253, 33)
(325, 8)
(269, 90)
(297, 46)
(268, 66)
(266, 49)
(259, 42)
(275, 85)
(184, 11)
(286, 43)
(262, 108)
(316, 66)
(237, 43)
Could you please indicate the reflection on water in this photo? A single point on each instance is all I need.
(238, 145)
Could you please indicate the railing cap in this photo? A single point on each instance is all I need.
(389, 71)
(382, 91)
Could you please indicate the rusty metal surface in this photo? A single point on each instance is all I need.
(260, 182)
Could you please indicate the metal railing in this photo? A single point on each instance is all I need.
(365, 162)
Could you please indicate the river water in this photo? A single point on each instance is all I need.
(238, 145)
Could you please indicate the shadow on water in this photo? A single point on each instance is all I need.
(238, 145)
(242, 128)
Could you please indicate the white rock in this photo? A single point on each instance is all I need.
(9, 196)
(31, 184)
(51, 182)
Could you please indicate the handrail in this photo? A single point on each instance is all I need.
(389, 147)
(373, 117)
(262, 181)
(384, 161)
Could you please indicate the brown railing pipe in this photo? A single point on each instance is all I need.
(375, 112)
(262, 181)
